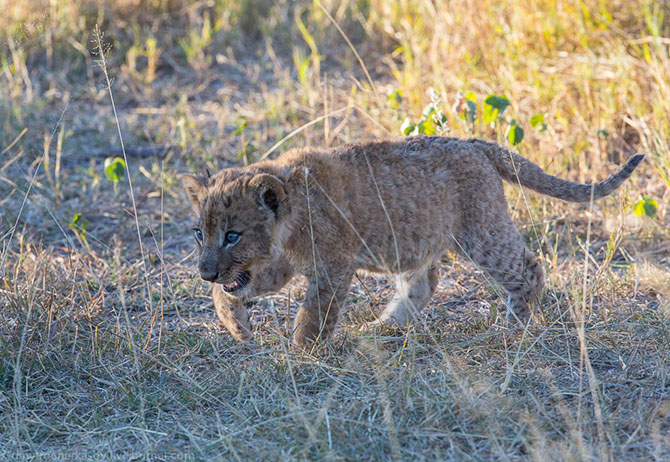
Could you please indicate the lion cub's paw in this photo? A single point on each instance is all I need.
(381, 325)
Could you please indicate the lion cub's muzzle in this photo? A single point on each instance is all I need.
(239, 283)
(208, 267)
(209, 275)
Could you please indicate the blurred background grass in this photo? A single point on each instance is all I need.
(586, 65)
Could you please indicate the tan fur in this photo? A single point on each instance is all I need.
(386, 207)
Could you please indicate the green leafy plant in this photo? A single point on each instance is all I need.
(514, 133)
(241, 124)
(247, 148)
(115, 168)
(646, 206)
(432, 121)
(152, 53)
(494, 107)
(394, 99)
(537, 122)
(196, 42)
(466, 108)
(79, 225)
(308, 66)
(437, 116)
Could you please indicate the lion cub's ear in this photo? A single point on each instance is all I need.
(195, 186)
(270, 191)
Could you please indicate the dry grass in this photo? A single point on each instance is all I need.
(111, 350)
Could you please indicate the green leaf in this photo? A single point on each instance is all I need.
(394, 99)
(247, 149)
(514, 133)
(241, 124)
(494, 107)
(537, 122)
(115, 167)
(407, 127)
(466, 106)
(428, 111)
(425, 127)
(472, 110)
(78, 225)
(646, 206)
(440, 120)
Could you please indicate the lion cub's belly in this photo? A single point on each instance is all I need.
(405, 248)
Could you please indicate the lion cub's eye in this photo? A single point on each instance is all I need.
(198, 234)
(232, 238)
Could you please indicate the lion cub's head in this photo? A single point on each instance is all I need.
(239, 212)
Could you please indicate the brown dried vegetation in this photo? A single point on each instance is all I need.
(112, 349)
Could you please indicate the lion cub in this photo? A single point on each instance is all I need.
(386, 206)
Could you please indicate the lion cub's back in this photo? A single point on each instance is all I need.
(438, 168)
(414, 191)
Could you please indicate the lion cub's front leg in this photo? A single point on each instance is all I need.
(232, 309)
(232, 313)
(317, 318)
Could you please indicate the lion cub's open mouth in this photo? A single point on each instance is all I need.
(239, 283)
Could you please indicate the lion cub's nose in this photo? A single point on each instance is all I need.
(210, 276)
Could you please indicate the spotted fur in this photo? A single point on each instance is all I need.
(388, 206)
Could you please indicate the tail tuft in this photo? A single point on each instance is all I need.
(634, 161)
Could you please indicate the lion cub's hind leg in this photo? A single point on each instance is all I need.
(413, 291)
(504, 256)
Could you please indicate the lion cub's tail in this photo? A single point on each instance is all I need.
(516, 169)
